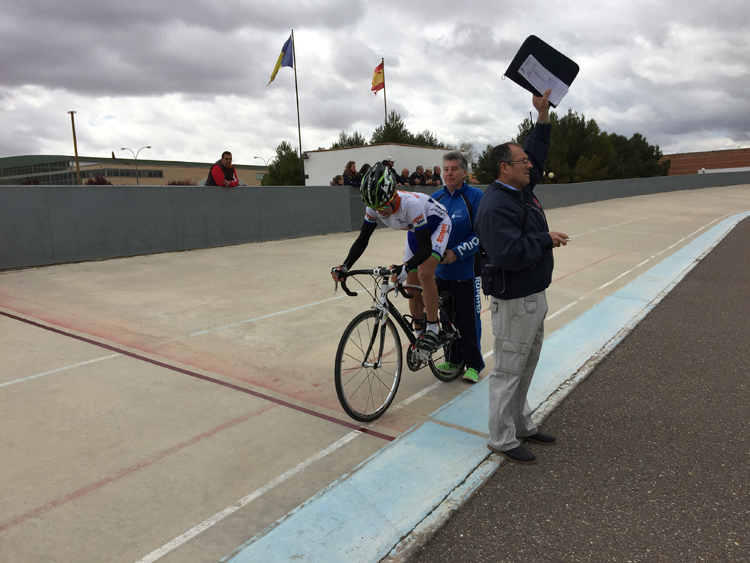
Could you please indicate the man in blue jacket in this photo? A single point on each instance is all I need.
(457, 269)
(518, 268)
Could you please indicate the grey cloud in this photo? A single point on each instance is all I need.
(146, 48)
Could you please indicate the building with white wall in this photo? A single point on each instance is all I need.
(322, 165)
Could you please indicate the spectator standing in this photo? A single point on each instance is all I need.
(436, 179)
(389, 161)
(459, 270)
(513, 230)
(363, 170)
(351, 176)
(222, 173)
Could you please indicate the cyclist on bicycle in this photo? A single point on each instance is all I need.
(429, 227)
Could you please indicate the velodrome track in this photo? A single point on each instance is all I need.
(172, 407)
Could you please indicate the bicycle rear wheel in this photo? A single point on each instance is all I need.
(364, 388)
(446, 363)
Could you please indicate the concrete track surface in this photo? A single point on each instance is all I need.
(180, 407)
(653, 459)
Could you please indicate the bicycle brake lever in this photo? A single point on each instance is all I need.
(400, 288)
(335, 287)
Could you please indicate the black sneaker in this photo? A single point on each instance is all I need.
(429, 341)
(519, 454)
(541, 438)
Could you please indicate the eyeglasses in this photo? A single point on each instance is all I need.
(523, 161)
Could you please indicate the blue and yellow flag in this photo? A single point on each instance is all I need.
(285, 59)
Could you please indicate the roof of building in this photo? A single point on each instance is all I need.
(382, 145)
(32, 159)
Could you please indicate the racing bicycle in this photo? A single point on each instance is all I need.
(369, 359)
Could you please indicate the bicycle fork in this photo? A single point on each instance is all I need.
(379, 327)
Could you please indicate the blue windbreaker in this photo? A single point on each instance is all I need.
(463, 240)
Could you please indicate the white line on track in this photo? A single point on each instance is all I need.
(616, 225)
(57, 370)
(194, 531)
(625, 273)
(416, 396)
(239, 323)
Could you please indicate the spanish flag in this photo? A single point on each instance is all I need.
(285, 59)
(378, 79)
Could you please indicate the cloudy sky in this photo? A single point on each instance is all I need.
(189, 77)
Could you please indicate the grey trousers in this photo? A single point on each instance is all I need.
(518, 326)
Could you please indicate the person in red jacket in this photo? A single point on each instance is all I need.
(223, 173)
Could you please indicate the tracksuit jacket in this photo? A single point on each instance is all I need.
(463, 240)
(513, 229)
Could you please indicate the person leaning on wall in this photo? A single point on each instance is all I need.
(222, 173)
(351, 176)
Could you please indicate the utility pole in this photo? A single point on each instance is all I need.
(75, 148)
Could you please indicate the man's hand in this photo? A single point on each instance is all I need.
(558, 239)
(226, 183)
(541, 103)
(336, 273)
(449, 257)
(401, 276)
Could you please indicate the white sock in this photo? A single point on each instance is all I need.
(433, 327)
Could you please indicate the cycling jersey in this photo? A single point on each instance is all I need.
(426, 220)
(414, 212)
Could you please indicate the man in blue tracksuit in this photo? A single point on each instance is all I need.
(457, 270)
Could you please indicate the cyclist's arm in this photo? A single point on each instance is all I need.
(360, 244)
(425, 248)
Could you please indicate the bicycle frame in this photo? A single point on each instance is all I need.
(364, 391)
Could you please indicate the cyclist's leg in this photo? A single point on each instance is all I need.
(426, 274)
(416, 305)
(426, 269)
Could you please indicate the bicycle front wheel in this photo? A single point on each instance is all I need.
(368, 366)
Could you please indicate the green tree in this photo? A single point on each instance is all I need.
(354, 140)
(524, 130)
(581, 152)
(397, 131)
(481, 168)
(636, 158)
(285, 169)
(426, 139)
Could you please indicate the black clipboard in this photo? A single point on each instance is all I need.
(553, 60)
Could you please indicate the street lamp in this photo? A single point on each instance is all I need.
(264, 160)
(135, 157)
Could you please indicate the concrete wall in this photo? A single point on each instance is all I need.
(565, 195)
(42, 225)
(53, 224)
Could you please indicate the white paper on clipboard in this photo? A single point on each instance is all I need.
(541, 79)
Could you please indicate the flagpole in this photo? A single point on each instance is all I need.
(385, 102)
(299, 127)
